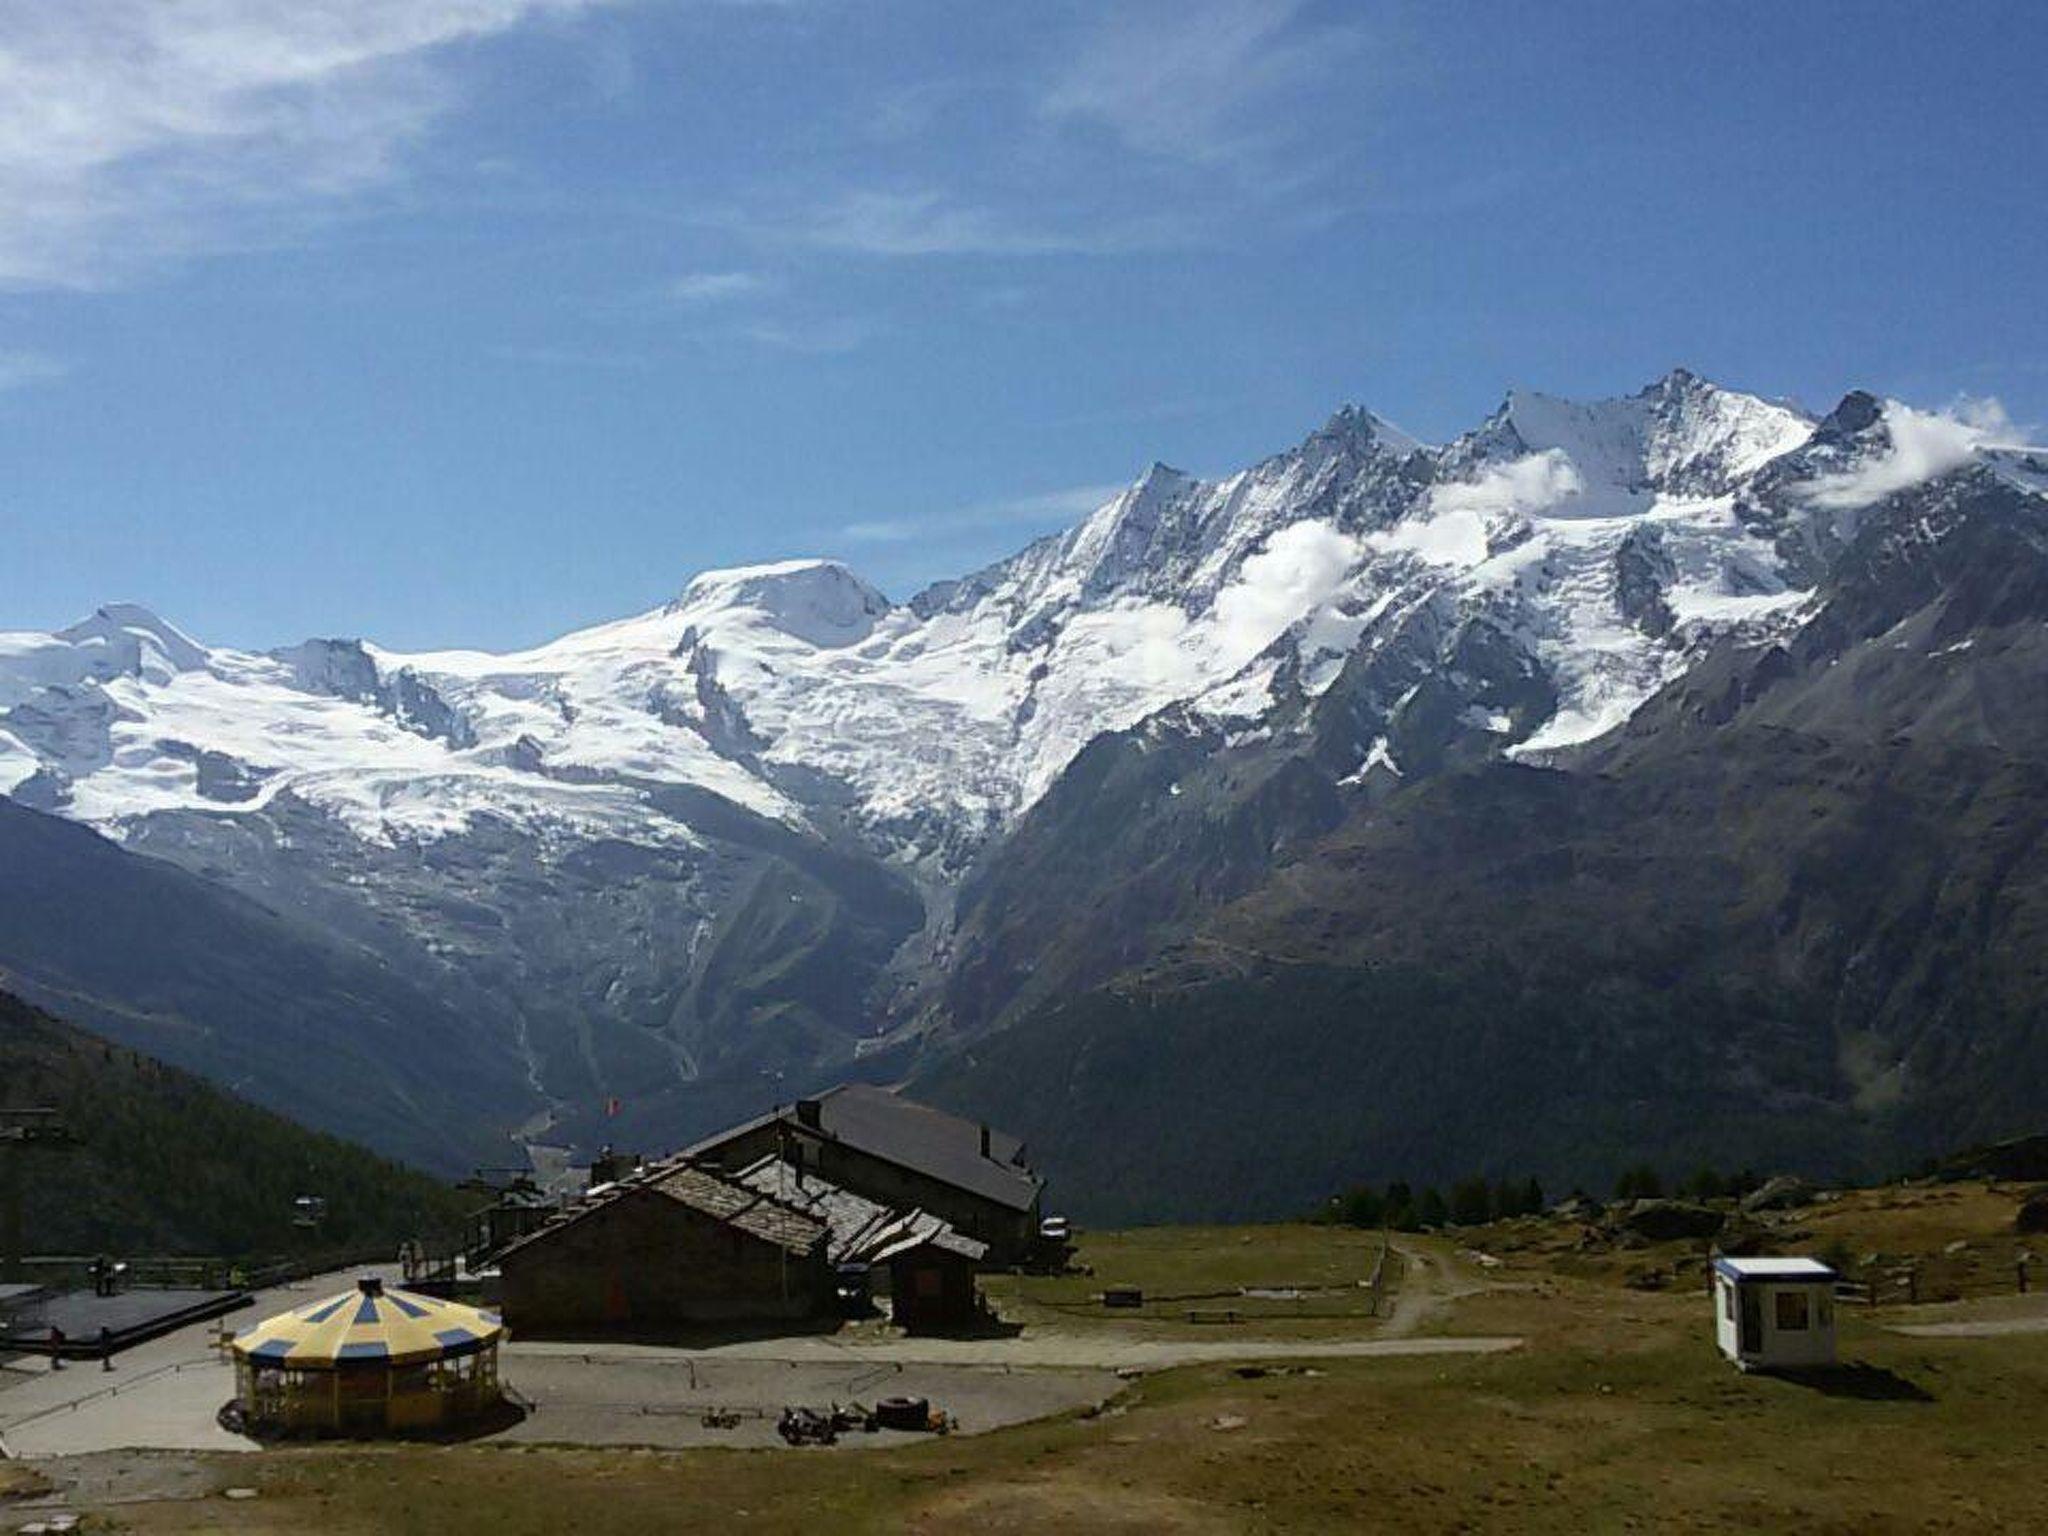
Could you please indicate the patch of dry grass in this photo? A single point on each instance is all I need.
(1331, 1263)
(1653, 1432)
(1617, 1415)
(20, 1482)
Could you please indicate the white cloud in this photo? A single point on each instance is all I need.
(1055, 508)
(715, 287)
(1525, 485)
(1923, 444)
(816, 338)
(20, 370)
(928, 223)
(1189, 79)
(1297, 572)
(132, 131)
(1462, 513)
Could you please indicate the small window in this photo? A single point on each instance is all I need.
(1728, 1300)
(1791, 1312)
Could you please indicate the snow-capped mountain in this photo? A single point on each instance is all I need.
(591, 836)
(785, 686)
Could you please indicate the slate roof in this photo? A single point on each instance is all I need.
(703, 1190)
(914, 1136)
(863, 1231)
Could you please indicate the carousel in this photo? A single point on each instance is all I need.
(370, 1361)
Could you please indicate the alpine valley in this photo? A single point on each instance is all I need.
(1662, 777)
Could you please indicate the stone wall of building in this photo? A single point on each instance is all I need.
(645, 1263)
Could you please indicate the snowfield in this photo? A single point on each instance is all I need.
(1607, 542)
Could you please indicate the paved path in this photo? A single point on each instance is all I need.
(164, 1394)
(1035, 1350)
(1981, 1328)
(601, 1400)
(1992, 1318)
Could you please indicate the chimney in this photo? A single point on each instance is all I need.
(807, 1113)
(984, 1138)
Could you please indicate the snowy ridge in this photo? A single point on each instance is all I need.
(1604, 542)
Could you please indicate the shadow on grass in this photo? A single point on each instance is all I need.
(1872, 1383)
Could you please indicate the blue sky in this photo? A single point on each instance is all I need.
(471, 321)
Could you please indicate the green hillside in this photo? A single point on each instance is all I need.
(166, 1164)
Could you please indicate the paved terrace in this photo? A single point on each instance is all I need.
(164, 1394)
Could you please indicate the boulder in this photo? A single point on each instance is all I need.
(1663, 1221)
(2033, 1213)
(1779, 1194)
(1741, 1239)
(2023, 1157)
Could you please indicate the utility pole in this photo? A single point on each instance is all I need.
(22, 1131)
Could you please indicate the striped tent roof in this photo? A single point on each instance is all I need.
(369, 1324)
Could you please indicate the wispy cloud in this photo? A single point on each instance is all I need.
(1044, 509)
(919, 224)
(816, 338)
(1923, 444)
(1190, 79)
(925, 222)
(570, 357)
(132, 131)
(714, 287)
(21, 370)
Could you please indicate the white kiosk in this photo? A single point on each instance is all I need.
(1772, 1313)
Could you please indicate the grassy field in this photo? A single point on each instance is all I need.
(1207, 1269)
(1616, 1415)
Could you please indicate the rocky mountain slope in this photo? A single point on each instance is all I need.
(1793, 912)
(782, 829)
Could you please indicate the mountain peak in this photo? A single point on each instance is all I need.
(821, 602)
(1353, 423)
(1162, 479)
(1680, 380)
(137, 640)
(1857, 413)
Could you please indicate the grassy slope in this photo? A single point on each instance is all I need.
(171, 1165)
(1617, 1415)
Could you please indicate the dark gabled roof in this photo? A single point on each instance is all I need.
(751, 1210)
(911, 1135)
(702, 1190)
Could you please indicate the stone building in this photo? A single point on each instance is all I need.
(671, 1246)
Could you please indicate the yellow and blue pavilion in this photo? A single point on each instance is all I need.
(369, 1361)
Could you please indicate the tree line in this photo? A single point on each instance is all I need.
(1477, 1200)
(1468, 1203)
